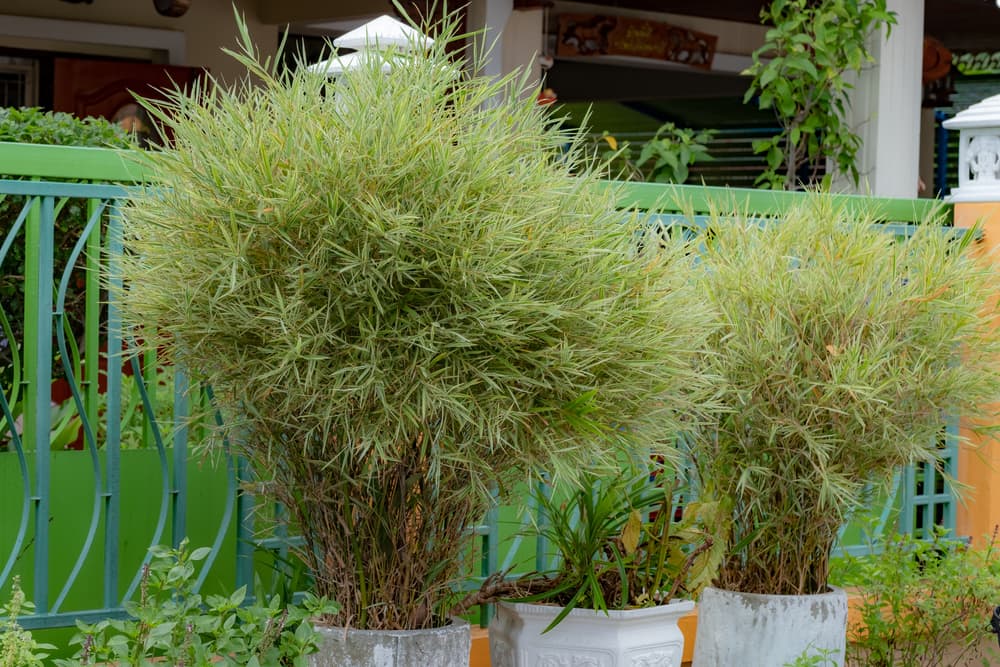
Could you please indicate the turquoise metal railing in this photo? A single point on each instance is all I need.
(51, 349)
(133, 415)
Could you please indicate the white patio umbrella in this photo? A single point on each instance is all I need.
(371, 40)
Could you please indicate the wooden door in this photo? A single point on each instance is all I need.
(107, 88)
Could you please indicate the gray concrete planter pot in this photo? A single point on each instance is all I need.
(439, 647)
(741, 629)
(647, 637)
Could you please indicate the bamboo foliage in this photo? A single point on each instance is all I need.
(406, 291)
(841, 352)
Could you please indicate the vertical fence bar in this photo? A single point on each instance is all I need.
(39, 244)
(244, 529)
(490, 555)
(542, 562)
(112, 448)
(178, 527)
(92, 315)
(951, 473)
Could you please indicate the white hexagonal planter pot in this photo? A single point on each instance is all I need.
(647, 637)
(736, 629)
(438, 647)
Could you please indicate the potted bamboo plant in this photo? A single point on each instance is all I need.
(627, 570)
(841, 351)
(407, 292)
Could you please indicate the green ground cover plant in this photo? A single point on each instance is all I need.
(172, 623)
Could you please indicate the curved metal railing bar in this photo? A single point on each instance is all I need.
(8, 418)
(74, 387)
(8, 330)
(227, 514)
(161, 522)
(22, 461)
(18, 223)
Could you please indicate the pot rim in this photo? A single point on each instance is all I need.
(455, 624)
(677, 607)
(834, 592)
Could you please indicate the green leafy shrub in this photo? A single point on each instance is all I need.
(29, 125)
(172, 623)
(405, 295)
(800, 73)
(923, 603)
(842, 350)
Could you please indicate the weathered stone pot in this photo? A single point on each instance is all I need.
(647, 636)
(740, 629)
(438, 647)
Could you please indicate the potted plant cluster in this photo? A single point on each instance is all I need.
(841, 351)
(626, 573)
(405, 295)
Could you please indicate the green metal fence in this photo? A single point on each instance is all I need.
(91, 478)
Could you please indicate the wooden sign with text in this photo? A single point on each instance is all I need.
(596, 35)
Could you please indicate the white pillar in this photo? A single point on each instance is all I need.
(523, 39)
(885, 107)
(489, 17)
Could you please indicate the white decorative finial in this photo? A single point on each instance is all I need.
(978, 151)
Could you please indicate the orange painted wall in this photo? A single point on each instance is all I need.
(979, 458)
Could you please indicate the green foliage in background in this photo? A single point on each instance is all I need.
(666, 158)
(34, 126)
(923, 603)
(405, 293)
(802, 72)
(842, 350)
(29, 125)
